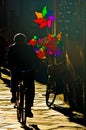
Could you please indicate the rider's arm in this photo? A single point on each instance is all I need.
(34, 59)
(10, 58)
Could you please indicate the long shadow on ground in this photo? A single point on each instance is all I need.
(73, 117)
(5, 80)
(31, 127)
(5, 71)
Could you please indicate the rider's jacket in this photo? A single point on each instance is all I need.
(22, 56)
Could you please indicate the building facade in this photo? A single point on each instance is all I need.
(70, 16)
(3, 17)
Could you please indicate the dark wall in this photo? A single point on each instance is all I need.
(22, 15)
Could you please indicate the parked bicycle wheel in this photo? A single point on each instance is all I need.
(50, 92)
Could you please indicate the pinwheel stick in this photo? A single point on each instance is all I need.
(47, 30)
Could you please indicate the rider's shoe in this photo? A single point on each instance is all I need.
(13, 99)
(29, 113)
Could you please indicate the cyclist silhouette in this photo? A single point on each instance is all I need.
(21, 56)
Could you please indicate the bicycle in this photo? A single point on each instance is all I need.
(72, 85)
(55, 71)
(21, 100)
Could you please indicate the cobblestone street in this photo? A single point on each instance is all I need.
(44, 118)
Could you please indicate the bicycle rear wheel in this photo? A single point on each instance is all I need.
(18, 106)
(21, 107)
(50, 92)
(23, 119)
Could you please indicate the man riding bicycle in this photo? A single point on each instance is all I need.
(21, 56)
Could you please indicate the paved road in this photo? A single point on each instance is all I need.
(44, 118)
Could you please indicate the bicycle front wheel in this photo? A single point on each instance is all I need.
(50, 92)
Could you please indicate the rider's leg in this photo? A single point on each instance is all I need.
(13, 84)
(30, 93)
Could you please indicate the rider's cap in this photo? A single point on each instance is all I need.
(19, 37)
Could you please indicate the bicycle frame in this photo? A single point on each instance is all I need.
(21, 99)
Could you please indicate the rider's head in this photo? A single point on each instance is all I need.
(20, 38)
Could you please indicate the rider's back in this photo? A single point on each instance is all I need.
(21, 56)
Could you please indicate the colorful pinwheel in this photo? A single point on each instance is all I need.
(49, 45)
(44, 19)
